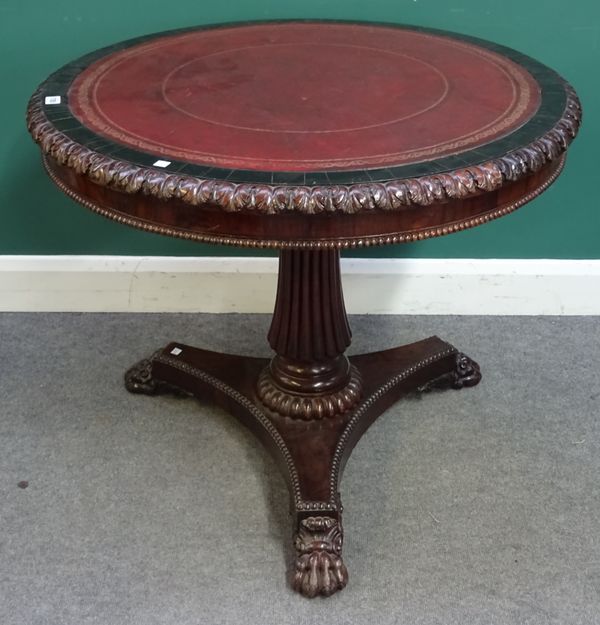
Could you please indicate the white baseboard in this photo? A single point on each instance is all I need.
(376, 286)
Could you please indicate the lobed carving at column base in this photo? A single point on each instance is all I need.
(306, 406)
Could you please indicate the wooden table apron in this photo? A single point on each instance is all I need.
(308, 137)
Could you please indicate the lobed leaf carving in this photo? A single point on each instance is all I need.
(270, 199)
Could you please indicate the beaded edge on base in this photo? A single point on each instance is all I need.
(261, 417)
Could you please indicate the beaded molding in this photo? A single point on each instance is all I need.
(333, 504)
(252, 409)
(341, 243)
(365, 405)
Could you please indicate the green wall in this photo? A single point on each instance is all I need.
(37, 37)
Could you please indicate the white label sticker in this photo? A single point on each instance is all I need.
(176, 351)
(52, 99)
(160, 163)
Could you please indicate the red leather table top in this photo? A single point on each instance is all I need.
(304, 96)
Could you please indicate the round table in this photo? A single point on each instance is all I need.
(308, 137)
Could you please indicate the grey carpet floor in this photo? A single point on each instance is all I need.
(480, 506)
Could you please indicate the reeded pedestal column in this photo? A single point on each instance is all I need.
(310, 377)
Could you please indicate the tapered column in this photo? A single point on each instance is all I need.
(310, 377)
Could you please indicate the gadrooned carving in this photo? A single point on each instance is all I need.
(271, 199)
(305, 406)
(319, 569)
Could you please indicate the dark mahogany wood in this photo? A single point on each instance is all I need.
(309, 378)
(323, 230)
(313, 453)
(310, 404)
(307, 137)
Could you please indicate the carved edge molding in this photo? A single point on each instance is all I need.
(271, 199)
(340, 243)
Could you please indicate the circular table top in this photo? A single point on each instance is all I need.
(305, 116)
(303, 98)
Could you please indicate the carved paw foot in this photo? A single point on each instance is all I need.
(465, 373)
(319, 569)
(138, 379)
